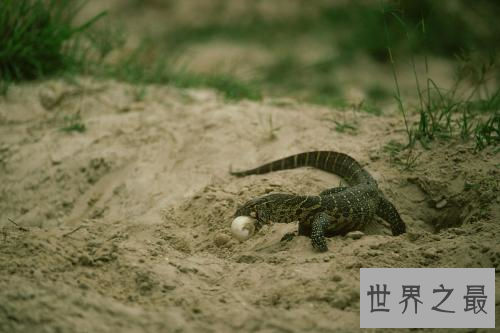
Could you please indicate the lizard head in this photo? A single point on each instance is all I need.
(265, 209)
(256, 208)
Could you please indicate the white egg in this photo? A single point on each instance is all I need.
(243, 227)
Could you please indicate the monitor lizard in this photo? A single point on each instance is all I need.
(334, 211)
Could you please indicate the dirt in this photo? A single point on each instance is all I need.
(125, 226)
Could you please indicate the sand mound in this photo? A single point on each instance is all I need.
(125, 226)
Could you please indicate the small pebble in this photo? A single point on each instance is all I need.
(457, 231)
(430, 253)
(355, 234)
(83, 286)
(168, 287)
(85, 260)
(374, 156)
(412, 236)
(221, 240)
(441, 204)
(354, 264)
(49, 99)
(336, 278)
(435, 237)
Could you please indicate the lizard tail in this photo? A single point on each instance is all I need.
(330, 161)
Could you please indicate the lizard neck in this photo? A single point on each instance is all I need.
(295, 207)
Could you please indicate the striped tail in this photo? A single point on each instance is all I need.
(333, 162)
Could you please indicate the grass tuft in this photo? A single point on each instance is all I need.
(35, 35)
(344, 126)
(445, 113)
(231, 88)
(270, 129)
(136, 70)
(74, 124)
(406, 161)
(488, 133)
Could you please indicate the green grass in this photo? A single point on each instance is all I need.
(447, 113)
(254, 29)
(446, 37)
(377, 93)
(38, 39)
(341, 22)
(313, 83)
(455, 112)
(488, 132)
(73, 124)
(345, 127)
(135, 70)
(338, 25)
(406, 160)
(76, 127)
(231, 88)
(35, 38)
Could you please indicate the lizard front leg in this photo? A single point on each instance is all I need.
(319, 224)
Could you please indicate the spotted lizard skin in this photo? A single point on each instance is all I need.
(334, 211)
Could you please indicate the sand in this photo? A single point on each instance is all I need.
(126, 226)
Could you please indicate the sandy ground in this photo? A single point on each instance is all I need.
(125, 227)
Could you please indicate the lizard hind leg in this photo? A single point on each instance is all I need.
(388, 212)
(319, 225)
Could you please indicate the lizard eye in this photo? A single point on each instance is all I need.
(253, 214)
